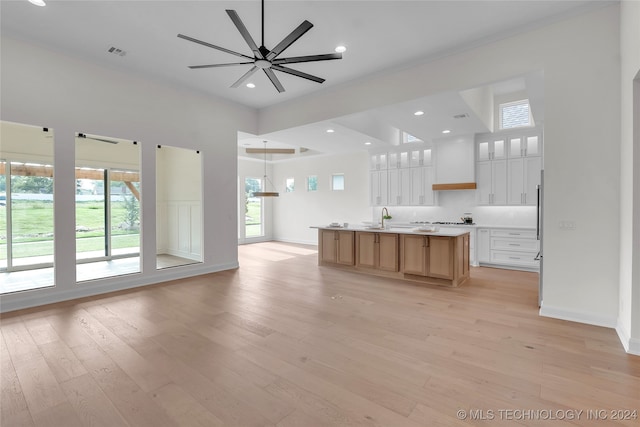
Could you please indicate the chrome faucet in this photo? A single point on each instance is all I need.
(383, 215)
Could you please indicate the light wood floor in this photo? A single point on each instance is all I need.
(284, 342)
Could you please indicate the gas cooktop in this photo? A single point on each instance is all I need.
(442, 223)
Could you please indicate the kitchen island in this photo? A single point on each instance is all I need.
(435, 257)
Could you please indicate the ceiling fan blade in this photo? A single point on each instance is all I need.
(309, 58)
(213, 46)
(269, 72)
(287, 41)
(245, 33)
(297, 73)
(196, 67)
(245, 76)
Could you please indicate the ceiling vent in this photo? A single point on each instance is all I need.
(116, 51)
(461, 116)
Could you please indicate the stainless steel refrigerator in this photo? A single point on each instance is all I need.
(540, 234)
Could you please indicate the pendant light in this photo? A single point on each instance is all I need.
(266, 179)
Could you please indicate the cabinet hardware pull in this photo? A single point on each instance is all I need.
(514, 234)
(514, 257)
(513, 244)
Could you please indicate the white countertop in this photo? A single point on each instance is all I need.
(447, 231)
(510, 227)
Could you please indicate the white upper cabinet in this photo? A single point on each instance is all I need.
(508, 167)
(378, 161)
(378, 188)
(525, 146)
(491, 149)
(422, 193)
(394, 160)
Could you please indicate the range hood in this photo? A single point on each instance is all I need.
(455, 164)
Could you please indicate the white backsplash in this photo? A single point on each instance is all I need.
(454, 204)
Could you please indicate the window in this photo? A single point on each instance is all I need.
(253, 208)
(515, 114)
(289, 185)
(407, 138)
(312, 183)
(337, 182)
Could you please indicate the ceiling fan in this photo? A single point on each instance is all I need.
(263, 58)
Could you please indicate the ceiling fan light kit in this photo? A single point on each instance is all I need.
(263, 58)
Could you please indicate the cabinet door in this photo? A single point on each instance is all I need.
(346, 247)
(515, 171)
(394, 187)
(484, 245)
(366, 249)
(414, 254)
(388, 252)
(532, 169)
(440, 257)
(417, 189)
(328, 246)
(378, 188)
(533, 146)
(484, 182)
(499, 178)
(405, 187)
(428, 198)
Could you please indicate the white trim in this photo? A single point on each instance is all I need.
(578, 316)
(112, 284)
(631, 345)
(298, 242)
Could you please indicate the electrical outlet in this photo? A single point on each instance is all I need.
(567, 225)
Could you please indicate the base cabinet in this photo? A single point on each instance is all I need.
(508, 248)
(377, 250)
(337, 247)
(438, 260)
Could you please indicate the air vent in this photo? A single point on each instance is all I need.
(461, 116)
(116, 51)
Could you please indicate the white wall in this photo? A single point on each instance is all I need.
(629, 318)
(580, 59)
(47, 88)
(295, 212)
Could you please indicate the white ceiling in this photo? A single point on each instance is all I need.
(380, 36)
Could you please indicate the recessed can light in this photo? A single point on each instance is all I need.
(418, 113)
(446, 131)
(250, 85)
(341, 49)
(330, 131)
(367, 143)
(38, 2)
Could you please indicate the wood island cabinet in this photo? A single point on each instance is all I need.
(433, 259)
(377, 250)
(441, 258)
(337, 247)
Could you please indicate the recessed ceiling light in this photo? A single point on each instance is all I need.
(341, 49)
(446, 131)
(38, 2)
(250, 85)
(367, 143)
(418, 113)
(330, 131)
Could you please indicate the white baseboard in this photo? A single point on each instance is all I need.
(39, 297)
(298, 242)
(578, 316)
(631, 345)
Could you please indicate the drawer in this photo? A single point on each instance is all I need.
(514, 234)
(519, 245)
(513, 258)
